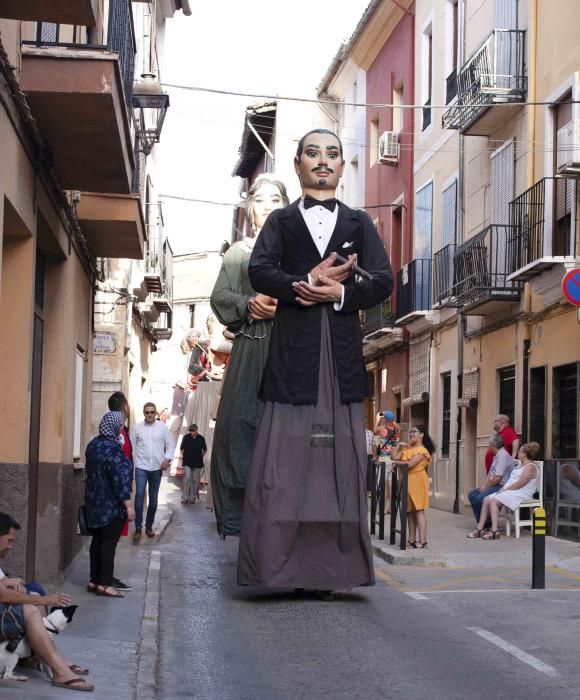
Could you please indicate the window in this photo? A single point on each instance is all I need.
(354, 93)
(384, 380)
(538, 408)
(565, 411)
(446, 413)
(373, 141)
(453, 44)
(449, 214)
(428, 76)
(507, 391)
(353, 196)
(192, 315)
(78, 415)
(565, 188)
(424, 222)
(397, 100)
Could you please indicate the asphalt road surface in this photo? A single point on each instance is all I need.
(419, 633)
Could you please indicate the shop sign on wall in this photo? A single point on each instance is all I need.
(105, 343)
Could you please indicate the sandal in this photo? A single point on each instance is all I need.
(412, 544)
(421, 545)
(492, 535)
(91, 587)
(79, 670)
(475, 534)
(74, 684)
(109, 592)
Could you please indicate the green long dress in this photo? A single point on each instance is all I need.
(239, 407)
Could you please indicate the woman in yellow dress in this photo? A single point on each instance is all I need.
(416, 455)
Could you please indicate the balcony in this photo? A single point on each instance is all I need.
(112, 224)
(444, 277)
(159, 265)
(481, 268)
(80, 12)
(413, 290)
(80, 94)
(544, 232)
(495, 74)
(378, 329)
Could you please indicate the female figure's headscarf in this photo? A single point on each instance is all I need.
(111, 424)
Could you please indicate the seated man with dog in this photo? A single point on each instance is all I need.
(20, 616)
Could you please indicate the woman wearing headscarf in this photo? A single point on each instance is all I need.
(249, 317)
(107, 500)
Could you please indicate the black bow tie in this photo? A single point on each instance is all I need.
(330, 204)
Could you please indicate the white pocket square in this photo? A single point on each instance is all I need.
(347, 244)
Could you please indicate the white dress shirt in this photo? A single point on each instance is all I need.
(321, 223)
(152, 443)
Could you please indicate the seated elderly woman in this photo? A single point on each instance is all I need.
(520, 487)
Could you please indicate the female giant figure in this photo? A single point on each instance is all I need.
(249, 317)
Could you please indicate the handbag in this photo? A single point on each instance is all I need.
(82, 525)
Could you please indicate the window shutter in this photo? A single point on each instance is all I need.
(564, 152)
(419, 364)
(502, 182)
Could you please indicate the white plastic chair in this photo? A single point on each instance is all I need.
(529, 504)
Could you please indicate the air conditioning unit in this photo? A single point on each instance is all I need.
(568, 150)
(388, 148)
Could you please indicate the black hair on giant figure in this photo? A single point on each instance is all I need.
(300, 146)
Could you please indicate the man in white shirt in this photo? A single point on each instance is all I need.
(152, 453)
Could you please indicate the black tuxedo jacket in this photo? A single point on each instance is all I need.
(285, 253)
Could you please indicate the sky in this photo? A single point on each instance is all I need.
(271, 47)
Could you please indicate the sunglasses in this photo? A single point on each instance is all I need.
(146, 412)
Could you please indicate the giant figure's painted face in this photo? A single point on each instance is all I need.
(266, 198)
(320, 165)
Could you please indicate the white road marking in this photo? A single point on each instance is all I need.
(515, 651)
(505, 590)
(416, 596)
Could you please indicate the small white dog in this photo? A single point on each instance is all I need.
(12, 651)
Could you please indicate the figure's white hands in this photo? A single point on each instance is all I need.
(262, 307)
(327, 290)
(326, 268)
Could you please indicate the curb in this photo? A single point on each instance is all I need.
(399, 557)
(148, 650)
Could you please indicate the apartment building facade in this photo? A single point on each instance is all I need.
(69, 208)
(495, 183)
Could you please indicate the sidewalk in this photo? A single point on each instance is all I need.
(106, 634)
(449, 546)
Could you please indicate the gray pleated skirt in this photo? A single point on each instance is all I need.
(305, 508)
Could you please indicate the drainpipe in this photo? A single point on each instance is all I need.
(461, 321)
(527, 305)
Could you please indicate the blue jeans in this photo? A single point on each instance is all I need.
(142, 478)
(476, 499)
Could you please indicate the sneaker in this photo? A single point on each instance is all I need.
(120, 586)
(137, 535)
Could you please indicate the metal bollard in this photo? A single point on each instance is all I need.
(539, 549)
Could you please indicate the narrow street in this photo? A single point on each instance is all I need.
(219, 641)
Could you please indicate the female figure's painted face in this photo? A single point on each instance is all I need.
(266, 199)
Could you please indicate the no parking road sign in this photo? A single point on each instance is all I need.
(571, 286)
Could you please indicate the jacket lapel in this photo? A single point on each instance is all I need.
(346, 225)
(294, 222)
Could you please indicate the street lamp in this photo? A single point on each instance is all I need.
(150, 105)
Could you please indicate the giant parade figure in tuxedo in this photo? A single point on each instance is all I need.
(305, 510)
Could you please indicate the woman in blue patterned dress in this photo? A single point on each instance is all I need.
(107, 500)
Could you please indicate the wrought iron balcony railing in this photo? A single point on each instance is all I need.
(414, 288)
(444, 276)
(120, 38)
(482, 267)
(542, 224)
(496, 72)
(377, 318)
